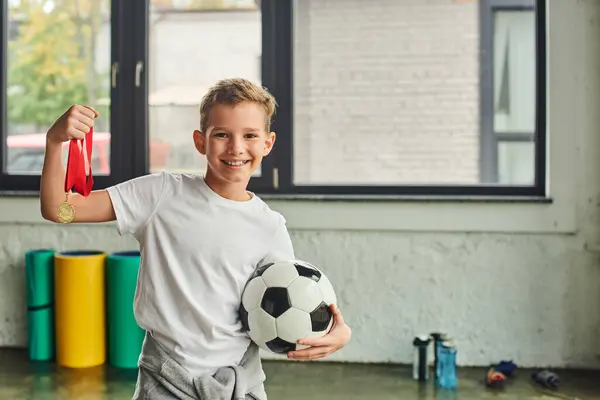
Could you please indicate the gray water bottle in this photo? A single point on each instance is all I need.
(420, 365)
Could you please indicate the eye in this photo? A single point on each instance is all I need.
(220, 134)
(251, 135)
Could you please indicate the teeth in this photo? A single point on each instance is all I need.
(235, 163)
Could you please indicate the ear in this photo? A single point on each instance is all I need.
(269, 142)
(200, 142)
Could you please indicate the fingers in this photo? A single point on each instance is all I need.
(75, 123)
(77, 129)
(78, 110)
(316, 341)
(337, 315)
(80, 120)
(83, 114)
(89, 122)
(325, 345)
(88, 111)
(311, 354)
(325, 340)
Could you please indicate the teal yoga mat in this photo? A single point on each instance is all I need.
(39, 271)
(125, 337)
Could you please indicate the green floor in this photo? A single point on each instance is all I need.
(21, 379)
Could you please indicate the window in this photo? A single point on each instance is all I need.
(411, 98)
(55, 54)
(176, 87)
(392, 102)
(375, 98)
(509, 93)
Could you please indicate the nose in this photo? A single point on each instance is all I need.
(236, 145)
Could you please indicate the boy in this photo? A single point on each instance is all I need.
(201, 237)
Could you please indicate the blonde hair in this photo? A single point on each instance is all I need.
(234, 91)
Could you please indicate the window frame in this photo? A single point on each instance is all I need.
(121, 144)
(490, 139)
(280, 82)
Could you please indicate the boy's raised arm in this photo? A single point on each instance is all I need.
(75, 123)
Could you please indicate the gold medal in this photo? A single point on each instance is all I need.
(78, 175)
(66, 211)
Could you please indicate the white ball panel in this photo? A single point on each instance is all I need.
(293, 324)
(253, 293)
(329, 296)
(262, 327)
(280, 274)
(305, 294)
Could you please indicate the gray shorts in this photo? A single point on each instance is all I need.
(160, 377)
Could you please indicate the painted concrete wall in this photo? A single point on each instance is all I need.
(506, 280)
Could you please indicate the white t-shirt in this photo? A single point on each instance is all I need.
(198, 250)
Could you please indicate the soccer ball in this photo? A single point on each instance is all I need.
(284, 302)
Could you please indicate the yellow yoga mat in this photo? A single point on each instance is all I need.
(80, 312)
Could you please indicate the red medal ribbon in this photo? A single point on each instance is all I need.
(79, 168)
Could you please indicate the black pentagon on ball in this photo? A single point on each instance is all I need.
(260, 270)
(243, 315)
(276, 301)
(308, 272)
(320, 317)
(280, 346)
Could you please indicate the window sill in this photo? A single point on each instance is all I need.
(405, 198)
(532, 215)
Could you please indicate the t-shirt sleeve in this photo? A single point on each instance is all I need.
(281, 247)
(135, 201)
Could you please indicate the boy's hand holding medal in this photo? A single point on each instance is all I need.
(77, 126)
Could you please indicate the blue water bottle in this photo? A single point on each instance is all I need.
(447, 365)
(438, 339)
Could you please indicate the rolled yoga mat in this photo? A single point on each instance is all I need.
(125, 337)
(80, 312)
(39, 275)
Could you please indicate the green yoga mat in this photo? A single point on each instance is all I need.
(39, 277)
(125, 337)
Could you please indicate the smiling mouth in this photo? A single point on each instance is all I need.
(235, 164)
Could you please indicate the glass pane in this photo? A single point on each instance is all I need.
(515, 163)
(170, 5)
(176, 87)
(514, 71)
(58, 54)
(388, 93)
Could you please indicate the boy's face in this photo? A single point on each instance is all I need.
(235, 141)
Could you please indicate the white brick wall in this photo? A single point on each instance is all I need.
(386, 91)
